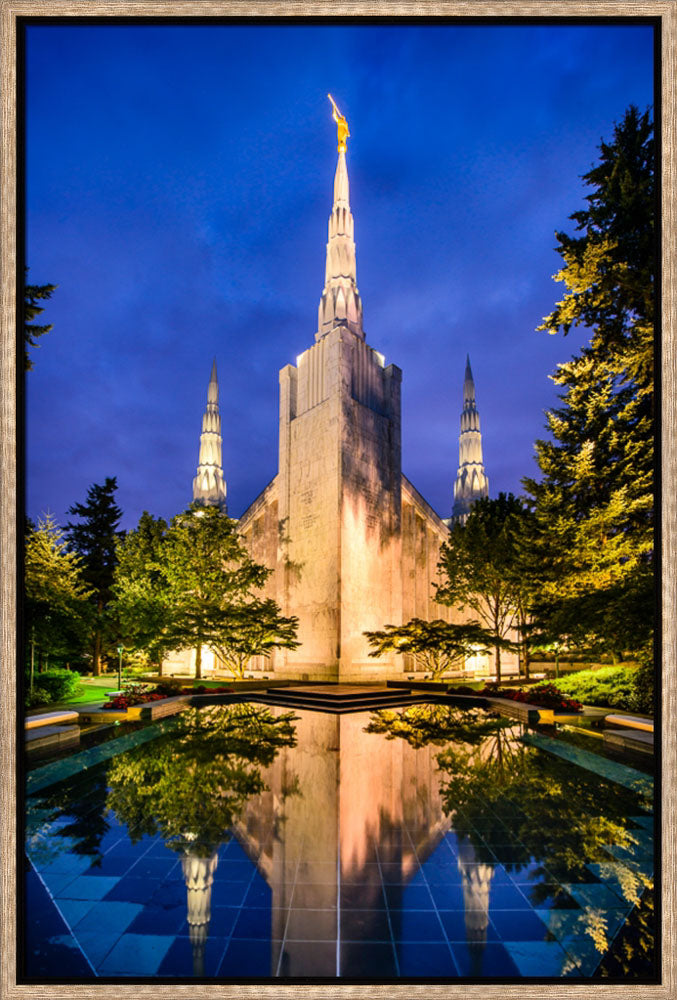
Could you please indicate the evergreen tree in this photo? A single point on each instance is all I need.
(594, 503)
(32, 295)
(479, 564)
(57, 608)
(94, 539)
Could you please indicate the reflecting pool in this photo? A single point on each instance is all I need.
(245, 841)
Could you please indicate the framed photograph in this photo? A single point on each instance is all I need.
(336, 602)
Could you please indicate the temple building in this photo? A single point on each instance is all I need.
(352, 544)
(471, 479)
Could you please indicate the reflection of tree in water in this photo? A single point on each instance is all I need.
(82, 804)
(542, 813)
(633, 951)
(191, 785)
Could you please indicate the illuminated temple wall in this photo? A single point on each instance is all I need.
(329, 803)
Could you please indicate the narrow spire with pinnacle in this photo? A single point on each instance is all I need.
(471, 479)
(340, 304)
(209, 486)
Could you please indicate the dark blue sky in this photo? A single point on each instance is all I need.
(179, 182)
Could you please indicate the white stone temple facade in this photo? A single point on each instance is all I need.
(352, 545)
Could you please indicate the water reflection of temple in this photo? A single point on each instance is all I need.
(342, 816)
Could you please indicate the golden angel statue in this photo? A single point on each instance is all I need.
(341, 125)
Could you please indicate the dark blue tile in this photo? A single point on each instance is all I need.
(425, 960)
(222, 920)
(460, 925)
(249, 959)
(366, 961)
(413, 897)
(155, 919)
(448, 897)
(171, 892)
(506, 897)
(416, 925)
(186, 959)
(50, 950)
(154, 868)
(480, 959)
(133, 890)
(234, 871)
(254, 924)
(519, 925)
(111, 865)
(258, 894)
(227, 893)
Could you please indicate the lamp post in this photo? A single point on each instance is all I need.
(32, 657)
(120, 648)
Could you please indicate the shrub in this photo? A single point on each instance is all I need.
(542, 696)
(608, 687)
(40, 696)
(56, 685)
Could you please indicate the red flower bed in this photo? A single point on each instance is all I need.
(142, 695)
(544, 696)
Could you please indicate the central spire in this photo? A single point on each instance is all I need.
(340, 304)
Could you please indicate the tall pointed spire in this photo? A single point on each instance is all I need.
(340, 304)
(471, 479)
(209, 486)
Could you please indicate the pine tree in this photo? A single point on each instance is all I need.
(32, 295)
(594, 503)
(94, 539)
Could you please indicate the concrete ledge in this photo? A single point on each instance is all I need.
(629, 739)
(51, 719)
(148, 710)
(632, 721)
(51, 735)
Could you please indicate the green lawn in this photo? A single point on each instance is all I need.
(93, 690)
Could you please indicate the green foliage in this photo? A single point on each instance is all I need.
(94, 538)
(594, 504)
(192, 584)
(54, 685)
(643, 698)
(612, 687)
(436, 645)
(421, 725)
(192, 783)
(140, 602)
(480, 563)
(57, 608)
(32, 295)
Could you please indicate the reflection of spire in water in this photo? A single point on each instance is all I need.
(476, 885)
(198, 874)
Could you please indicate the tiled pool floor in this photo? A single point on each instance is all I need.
(125, 904)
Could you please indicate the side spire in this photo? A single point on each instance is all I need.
(340, 304)
(209, 486)
(471, 479)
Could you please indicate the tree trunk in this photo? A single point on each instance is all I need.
(96, 655)
(198, 661)
(498, 665)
